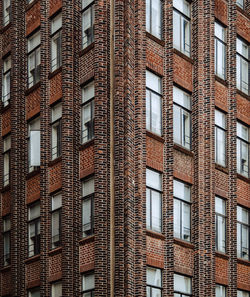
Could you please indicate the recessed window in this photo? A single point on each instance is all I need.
(153, 103)
(243, 231)
(154, 282)
(88, 189)
(242, 149)
(34, 144)
(220, 138)
(241, 3)
(220, 224)
(182, 286)
(154, 17)
(34, 292)
(220, 50)
(220, 291)
(6, 12)
(242, 293)
(88, 285)
(182, 118)
(6, 160)
(56, 131)
(6, 240)
(88, 110)
(182, 210)
(181, 26)
(6, 81)
(56, 211)
(34, 59)
(34, 229)
(242, 59)
(56, 289)
(56, 42)
(154, 200)
(88, 14)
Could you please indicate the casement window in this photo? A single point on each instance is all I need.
(34, 59)
(56, 289)
(154, 200)
(154, 282)
(34, 229)
(220, 138)
(88, 109)
(220, 50)
(88, 189)
(153, 103)
(242, 61)
(34, 292)
(88, 14)
(88, 284)
(242, 293)
(243, 232)
(220, 291)
(6, 240)
(56, 131)
(34, 144)
(6, 160)
(6, 81)
(242, 149)
(220, 224)
(182, 286)
(182, 118)
(182, 210)
(181, 26)
(56, 42)
(6, 12)
(241, 3)
(154, 17)
(56, 210)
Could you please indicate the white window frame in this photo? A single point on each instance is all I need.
(34, 59)
(88, 31)
(56, 42)
(56, 131)
(182, 285)
(243, 252)
(242, 58)
(154, 286)
(154, 18)
(88, 291)
(6, 160)
(34, 241)
(220, 219)
(6, 240)
(220, 130)
(56, 219)
(242, 142)
(88, 193)
(34, 138)
(220, 50)
(6, 81)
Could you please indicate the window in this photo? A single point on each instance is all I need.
(88, 94)
(220, 224)
(56, 127)
(56, 205)
(88, 285)
(6, 240)
(220, 50)
(33, 59)
(242, 59)
(56, 42)
(242, 293)
(182, 286)
(220, 138)
(154, 212)
(220, 291)
(181, 26)
(154, 283)
(34, 144)
(153, 17)
(87, 22)
(153, 103)
(88, 189)
(6, 12)
(34, 229)
(182, 118)
(240, 3)
(182, 210)
(6, 160)
(243, 230)
(6, 81)
(56, 289)
(242, 149)
(34, 292)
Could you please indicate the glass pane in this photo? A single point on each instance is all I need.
(6, 143)
(242, 294)
(88, 92)
(33, 41)
(176, 30)
(242, 48)
(34, 148)
(220, 59)
(7, 64)
(244, 75)
(156, 113)
(221, 234)
(148, 16)
(177, 218)
(186, 36)
(220, 119)
(88, 187)
(154, 276)
(56, 112)
(55, 226)
(148, 208)
(245, 242)
(239, 240)
(220, 206)
(177, 124)
(182, 283)
(6, 224)
(56, 23)
(148, 108)
(181, 190)
(156, 292)
(242, 131)
(186, 126)
(57, 201)
(153, 179)
(156, 211)
(86, 214)
(220, 291)
(153, 82)
(182, 98)
(219, 31)
(186, 221)
(244, 158)
(34, 212)
(238, 71)
(156, 18)
(57, 290)
(88, 282)
(85, 3)
(182, 6)
(34, 293)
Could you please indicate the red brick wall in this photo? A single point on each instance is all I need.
(243, 277)
(183, 166)
(243, 193)
(6, 283)
(6, 46)
(155, 254)
(55, 88)
(33, 103)
(243, 26)
(221, 96)
(220, 11)
(86, 66)
(55, 267)
(221, 271)
(6, 122)
(154, 56)
(87, 256)
(54, 5)
(55, 179)
(33, 18)
(86, 161)
(154, 153)
(32, 274)
(243, 109)
(6, 203)
(33, 189)
(183, 72)
(183, 259)
(221, 183)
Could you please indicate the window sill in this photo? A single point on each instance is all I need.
(155, 234)
(32, 259)
(4, 108)
(243, 94)
(185, 57)
(184, 243)
(244, 178)
(31, 4)
(33, 173)
(243, 261)
(183, 150)
(221, 168)
(88, 239)
(55, 251)
(5, 28)
(155, 136)
(6, 268)
(87, 144)
(55, 72)
(242, 11)
(221, 255)
(221, 80)
(33, 88)
(154, 38)
(87, 49)
(55, 161)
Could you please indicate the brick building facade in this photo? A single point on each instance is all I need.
(125, 148)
